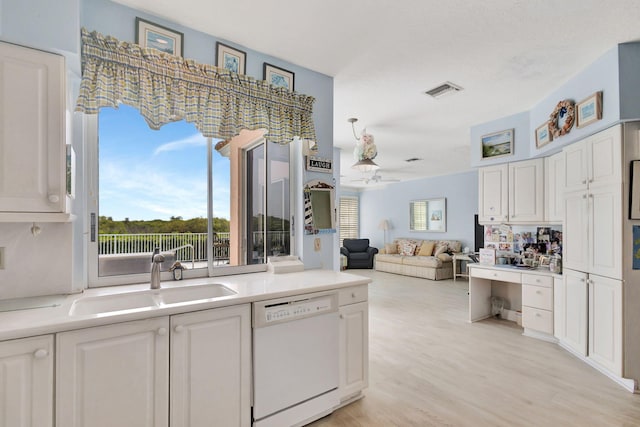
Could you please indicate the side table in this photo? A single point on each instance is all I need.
(456, 270)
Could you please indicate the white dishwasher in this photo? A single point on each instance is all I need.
(295, 359)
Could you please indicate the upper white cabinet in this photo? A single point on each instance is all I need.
(32, 131)
(526, 191)
(511, 193)
(493, 194)
(210, 367)
(554, 188)
(26, 382)
(594, 161)
(593, 204)
(114, 375)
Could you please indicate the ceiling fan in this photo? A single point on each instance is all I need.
(375, 178)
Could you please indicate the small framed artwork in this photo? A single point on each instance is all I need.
(279, 77)
(634, 197)
(156, 36)
(543, 135)
(231, 59)
(487, 256)
(590, 109)
(497, 144)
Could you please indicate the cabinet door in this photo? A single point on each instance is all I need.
(605, 323)
(576, 231)
(354, 349)
(575, 311)
(211, 368)
(526, 191)
(605, 231)
(554, 188)
(575, 166)
(26, 382)
(605, 157)
(493, 194)
(115, 375)
(32, 158)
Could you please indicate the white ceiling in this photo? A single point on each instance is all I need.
(383, 54)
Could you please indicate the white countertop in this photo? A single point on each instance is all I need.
(540, 270)
(248, 287)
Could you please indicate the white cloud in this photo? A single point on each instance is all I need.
(195, 140)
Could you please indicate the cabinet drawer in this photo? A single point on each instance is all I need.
(353, 295)
(537, 279)
(537, 297)
(539, 320)
(503, 276)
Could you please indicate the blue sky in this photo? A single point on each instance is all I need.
(146, 174)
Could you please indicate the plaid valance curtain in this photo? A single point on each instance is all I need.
(167, 88)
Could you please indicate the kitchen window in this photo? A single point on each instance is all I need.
(213, 211)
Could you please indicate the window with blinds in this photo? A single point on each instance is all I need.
(418, 216)
(349, 218)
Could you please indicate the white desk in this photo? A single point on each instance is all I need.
(532, 292)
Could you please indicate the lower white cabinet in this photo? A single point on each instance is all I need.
(354, 342)
(210, 367)
(114, 375)
(605, 323)
(575, 311)
(192, 369)
(26, 382)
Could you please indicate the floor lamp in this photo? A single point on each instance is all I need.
(384, 225)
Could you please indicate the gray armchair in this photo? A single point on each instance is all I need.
(358, 252)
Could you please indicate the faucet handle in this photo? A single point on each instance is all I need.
(158, 258)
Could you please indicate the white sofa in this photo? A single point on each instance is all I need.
(428, 259)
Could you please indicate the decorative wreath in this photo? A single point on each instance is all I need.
(565, 114)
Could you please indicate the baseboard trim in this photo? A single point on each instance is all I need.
(626, 383)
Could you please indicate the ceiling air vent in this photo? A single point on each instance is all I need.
(413, 159)
(444, 89)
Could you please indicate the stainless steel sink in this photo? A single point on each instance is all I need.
(111, 303)
(194, 293)
(147, 299)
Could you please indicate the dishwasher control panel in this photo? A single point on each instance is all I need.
(288, 309)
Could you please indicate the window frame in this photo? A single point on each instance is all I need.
(343, 230)
(90, 135)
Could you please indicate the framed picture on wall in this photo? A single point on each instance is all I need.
(634, 189)
(279, 77)
(497, 144)
(150, 35)
(543, 135)
(232, 59)
(590, 109)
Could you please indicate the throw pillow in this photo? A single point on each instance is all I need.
(407, 248)
(391, 248)
(440, 249)
(427, 248)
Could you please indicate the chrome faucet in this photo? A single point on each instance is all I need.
(155, 270)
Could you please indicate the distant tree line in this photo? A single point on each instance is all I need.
(107, 225)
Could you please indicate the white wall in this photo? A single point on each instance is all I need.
(392, 203)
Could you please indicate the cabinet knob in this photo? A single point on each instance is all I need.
(584, 181)
(591, 196)
(584, 196)
(538, 315)
(54, 198)
(342, 316)
(491, 219)
(162, 331)
(179, 328)
(591, 180)
(538, 292)
(40, 353)
(353, 294)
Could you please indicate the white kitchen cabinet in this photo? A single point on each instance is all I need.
(593, 204)
(493, 194)
(210, 367)
(605, 323)
(595, 160)
(32, 132)
(26, 382)
(526, 191)
(554, 188)
(559, 295)
(354, 342)
(114, 375)
(575, 311)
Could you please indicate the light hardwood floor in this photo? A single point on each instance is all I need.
(430, 367)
